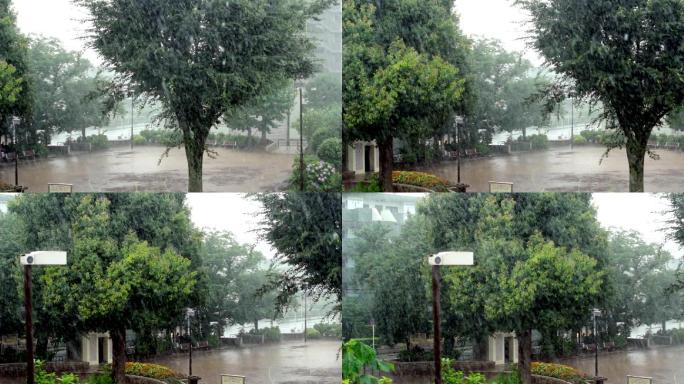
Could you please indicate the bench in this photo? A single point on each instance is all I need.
(29, 153)
(10, 156)
(230, 144)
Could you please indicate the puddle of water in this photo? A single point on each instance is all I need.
(562, 170)
(121, 169)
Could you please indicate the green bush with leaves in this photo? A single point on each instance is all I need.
(330, 151)
(356, 357)
(313, 333)
(539, 141)
(329, 330)
(139, 140)
(319, 176)
(320, 136)
(43, 377)
(99, 141)
(452, 376)
(372, 185)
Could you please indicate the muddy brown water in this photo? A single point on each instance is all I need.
(315, 362)
(284, 363)
(121, 169)
(665, 365)
(565, 170)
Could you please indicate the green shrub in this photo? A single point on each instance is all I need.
(579, 140)
(153, 371)
(271, 334)
(139, 140)
(329, 330)
(451, 376)
(558, 371)
(43, 377)
(330, 151)
(100, 378)
(319, 137)
(313, 333)
(539, 141)
(357, 357)
(99, 141)
(372, 185)
(319, 176)
(415, 354)
(420, 179)
(214, 341)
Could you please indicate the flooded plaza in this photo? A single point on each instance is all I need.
(123, 169)
(663, 364)
(566, 170)
(316, 361)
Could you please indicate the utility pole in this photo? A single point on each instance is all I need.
(305, 325)
(301, 147)
(131, 122)
(436, 325)
(572, 124)
(15, 121)
(28, 273)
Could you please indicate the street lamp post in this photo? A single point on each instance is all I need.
(305, 325)
(15, 121)
(28, 261)
(572, 124)
(595, 312)
(301, 145)
(189, 312)
(437, 260)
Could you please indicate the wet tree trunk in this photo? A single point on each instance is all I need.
(386, 164)
(194, 152)
(83, 133)
(42, 346)
(480, 349)
(636, 154)
(664, 326)
(525, 356)
(119, 355)
(256, 325)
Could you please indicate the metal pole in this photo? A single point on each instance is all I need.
(572, 124)
(596, 349)
(458, 150)
(305, 316)
(436, 325)
(29, 324)
(373, 339)
(301, 148)
(131, 122)
(190, 350)
(16, 154)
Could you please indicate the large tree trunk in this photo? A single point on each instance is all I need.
(480, 347)
(386, 164)
(664, 326)
(636, 154)
(525, 356)
(194, 152)
(83, 133)
(42, 346)
(256, 325)
(119, 355)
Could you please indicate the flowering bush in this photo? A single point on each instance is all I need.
(558, 371)
(420, 179)
(319, 176)
(152, 371)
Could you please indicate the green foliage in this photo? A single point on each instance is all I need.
(579, 140)
(99, 141)
(451, 376)
(329, 330)
(539, 141)
(99, 379)
(356, 356)
(319, 176)
(327, 119)
(371, 185)
(313, 333)
(330, 151)
(306, 230)
(558, 371)
(67, 90)
(139, 140)
(319, 136)
(10, 84)
(153, 50)
(153, 371)
(42, 377)
(401, 72)
(622, 53)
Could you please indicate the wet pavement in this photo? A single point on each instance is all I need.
(121, 169)
(565, 170)
(285, 363)
(664, 365)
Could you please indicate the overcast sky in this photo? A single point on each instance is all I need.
(232, 212)
(496, 19)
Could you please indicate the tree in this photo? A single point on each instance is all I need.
(200, 59)
(67, 93)
(538, 262)
(386, 265)
(10, 250)
(16, 95)
(127, 269)
(263, 113)
(306, 230)
(504, 85)
(401, 75)
(234, 275)
(625, 54)
(640, 275)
